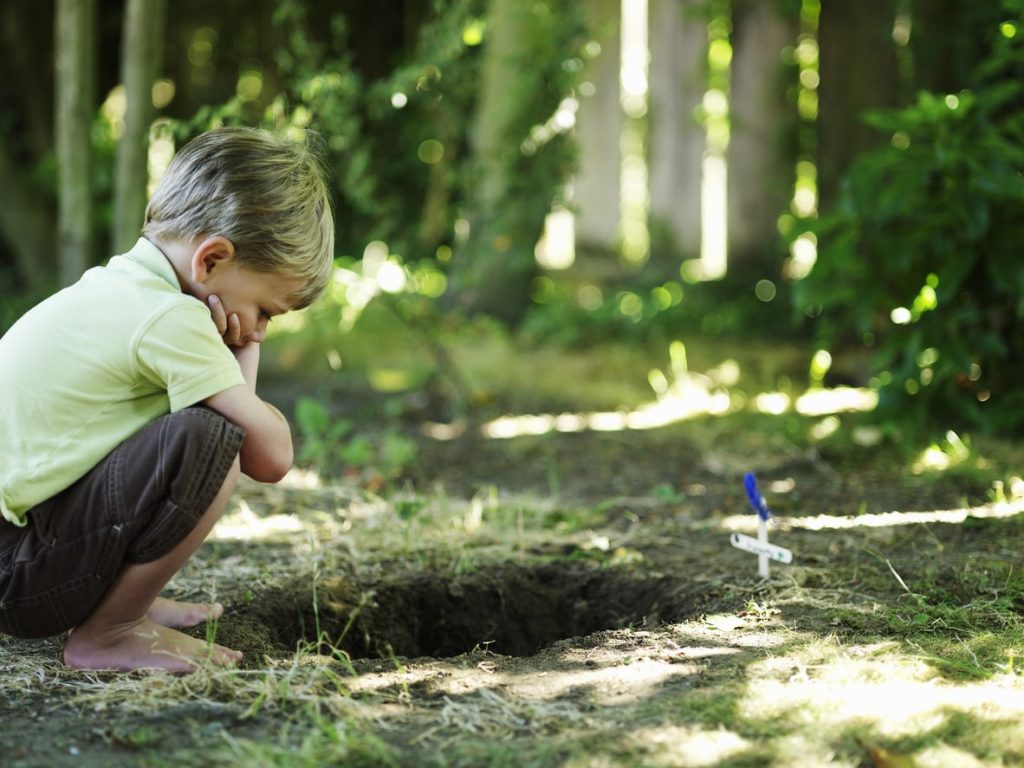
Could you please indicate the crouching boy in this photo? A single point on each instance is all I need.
(128, 405)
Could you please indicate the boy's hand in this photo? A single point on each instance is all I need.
(228, 326)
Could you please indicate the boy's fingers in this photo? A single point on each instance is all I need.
(217, 313)
(234, 333)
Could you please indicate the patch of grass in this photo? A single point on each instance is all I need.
(469, 753)
(310, 740)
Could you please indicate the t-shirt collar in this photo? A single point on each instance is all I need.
(147, 255)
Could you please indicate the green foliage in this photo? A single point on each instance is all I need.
(314, 740)
(962, 623)
(647, 307)
(323, 440)
(922, 257)
(330, 443)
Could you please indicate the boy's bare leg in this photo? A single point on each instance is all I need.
(119, 635)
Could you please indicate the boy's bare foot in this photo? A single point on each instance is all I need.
(171, 613)
(142, 645)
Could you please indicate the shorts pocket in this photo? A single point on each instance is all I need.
(167, 528)
(51, 612)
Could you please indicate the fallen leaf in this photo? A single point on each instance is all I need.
(886, 758)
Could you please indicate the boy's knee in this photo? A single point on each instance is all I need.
(198, 462)
(201, 448)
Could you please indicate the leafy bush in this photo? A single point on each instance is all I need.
(330, 443)
(922, 260)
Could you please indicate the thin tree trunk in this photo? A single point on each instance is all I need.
(859, 71)
(19, 38)
(761, 159)
(142, 53)
(76, 20)
(679, 78)
(513, 187)
(26, 222)
(599, 134)
(496, 275)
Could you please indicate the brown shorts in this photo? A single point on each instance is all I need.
(133, 507)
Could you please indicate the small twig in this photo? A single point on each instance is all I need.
(898, 577)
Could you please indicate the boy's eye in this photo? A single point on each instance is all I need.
(266, 315)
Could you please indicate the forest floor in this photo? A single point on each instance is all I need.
(569, 596)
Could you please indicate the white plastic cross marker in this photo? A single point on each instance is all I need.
(760, 545)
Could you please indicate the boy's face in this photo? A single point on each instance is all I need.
(251, 297)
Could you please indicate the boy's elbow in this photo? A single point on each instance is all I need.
(279, 468)
(270, 466)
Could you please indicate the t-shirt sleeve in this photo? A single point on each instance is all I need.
(182, 353)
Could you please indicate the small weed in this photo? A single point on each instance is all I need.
(135, 738)
(313, 740)
(329, 443)
(668, 494)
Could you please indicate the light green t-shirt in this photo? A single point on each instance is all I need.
(88, 367)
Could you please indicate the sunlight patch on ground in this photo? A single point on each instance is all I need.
(492, 715)
(675, 407)
(868, 686)
(687, 747)
(729, 634)
(818, 402)
(244, 524)
(661, 413)
(301, 479)
(944, 756)
(612, 685)
(878, 520)
(451, 680)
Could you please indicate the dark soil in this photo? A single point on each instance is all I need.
(551, 605)
(507, 608)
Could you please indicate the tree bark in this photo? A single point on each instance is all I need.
(26, 222)
(27, 63)
(75, 27)
(496, 266)
(761, 159)
(142, 53)
(859, 71)
(948, 39)
(679, 78)
(599, 123)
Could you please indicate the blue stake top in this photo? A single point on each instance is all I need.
(756, 499)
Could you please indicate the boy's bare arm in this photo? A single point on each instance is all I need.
(267, 449)
(266, 453)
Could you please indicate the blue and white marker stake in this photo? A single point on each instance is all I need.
(760, 545)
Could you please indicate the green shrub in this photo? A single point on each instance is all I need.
(330, 444)
(922, 260)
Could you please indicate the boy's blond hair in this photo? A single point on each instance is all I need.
(265, 194)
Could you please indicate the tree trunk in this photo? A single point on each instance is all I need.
(599, 123)
(513, 188)
(74, 112)
(859, 71)
(142, 47)
(948, 39)
(497, 272)
(761, 159)
(26, 222)
(679, 78)
(27, 63)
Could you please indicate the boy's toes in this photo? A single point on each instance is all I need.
(171, 613)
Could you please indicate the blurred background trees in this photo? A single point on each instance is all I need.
(577, 170)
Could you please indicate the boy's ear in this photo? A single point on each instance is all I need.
(209, 254)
